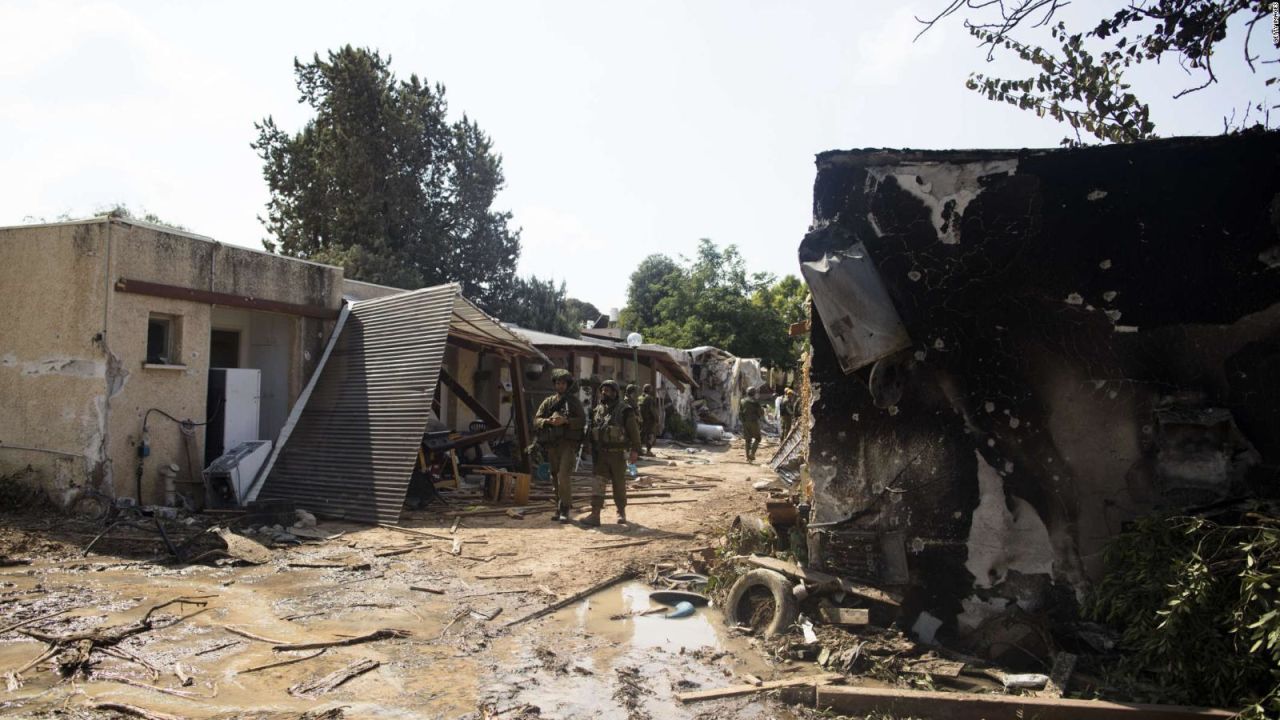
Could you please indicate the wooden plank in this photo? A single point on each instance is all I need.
(207, 297)
(845, 616)
(865, 701)
(566, 602)
(820, 578)
(476, 406)
(736, 690)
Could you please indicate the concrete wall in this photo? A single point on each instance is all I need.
(1094, 335)
(54, 362)
(62, 309)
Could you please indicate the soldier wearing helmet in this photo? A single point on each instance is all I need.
(559, 422)
(750, 411)
(615, 441)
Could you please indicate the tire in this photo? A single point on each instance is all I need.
(746, 603)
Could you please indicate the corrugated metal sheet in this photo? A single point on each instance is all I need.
(352, 451)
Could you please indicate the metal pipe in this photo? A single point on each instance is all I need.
(4, 446)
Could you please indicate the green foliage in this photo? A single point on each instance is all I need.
(120, 210)
(679, 428)
(581, 312)
(1198, 605)
(538, 305)
(1082, 82)
(383, 184)
(711, 299)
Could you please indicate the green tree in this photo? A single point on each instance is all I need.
(381, 183)
(539, 305)
(581, 311)
(1082, 83)
(710, 299)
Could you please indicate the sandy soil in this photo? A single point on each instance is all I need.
(453, 663)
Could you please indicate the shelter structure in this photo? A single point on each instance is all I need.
(1015, 352)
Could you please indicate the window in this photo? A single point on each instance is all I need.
(163, 346)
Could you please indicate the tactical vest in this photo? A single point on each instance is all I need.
(609, 431)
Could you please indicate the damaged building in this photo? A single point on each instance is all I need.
(1017, 352)
(127, 347)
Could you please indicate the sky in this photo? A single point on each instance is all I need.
(626, 129)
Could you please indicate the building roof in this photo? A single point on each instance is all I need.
(661, 356)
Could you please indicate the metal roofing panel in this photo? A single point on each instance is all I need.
(353, 448)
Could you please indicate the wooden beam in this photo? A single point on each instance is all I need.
(461, 393)
(736, 690)
(797, 329)
(867, 701)
(844, 616)
(522, 414)
(208, 297)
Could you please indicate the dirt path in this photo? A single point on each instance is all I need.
(455, 662)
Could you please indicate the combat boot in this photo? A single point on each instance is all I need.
(592, 520)
(622, 516)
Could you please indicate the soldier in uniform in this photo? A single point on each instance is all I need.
(750, 411)
(559, 422)
(649, 418)
(632, 400)
(615, 441)
(787, 411)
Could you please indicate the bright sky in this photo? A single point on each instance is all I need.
(626, 129)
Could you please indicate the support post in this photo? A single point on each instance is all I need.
(522, 414)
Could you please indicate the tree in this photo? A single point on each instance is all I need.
(581, 312)
(381, 183)
(710, 300)
(1082, 83)
(539, 305)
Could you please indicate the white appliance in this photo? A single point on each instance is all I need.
(229, 480)
(235, 401)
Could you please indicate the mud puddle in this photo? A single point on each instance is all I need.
(586, 661)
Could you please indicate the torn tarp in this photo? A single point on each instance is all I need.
(851, 300)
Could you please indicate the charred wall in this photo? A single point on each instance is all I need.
(1084, 336)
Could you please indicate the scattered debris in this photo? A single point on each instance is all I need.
(333, 680)
(736, 690)
(385, 634)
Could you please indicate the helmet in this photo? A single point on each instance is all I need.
(609, 384)
(631, 390)
(648, 388)
(565, 375)
(790, 391)
(751, 392)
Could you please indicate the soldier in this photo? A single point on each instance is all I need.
(649, 419)
(750, 411)
(560, 420)
(787, 412)
(615, 441)
(632, 400)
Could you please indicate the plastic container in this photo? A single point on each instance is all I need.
(710, 432)
(632, 470)
(542, 473)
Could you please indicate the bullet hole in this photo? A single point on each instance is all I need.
(914, 275)
(1014, 423)
(989, 406)
(893, 410)
(939, 344)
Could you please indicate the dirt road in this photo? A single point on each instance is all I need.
(459, 658)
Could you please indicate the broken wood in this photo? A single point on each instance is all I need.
(867, 701)
(457, 546)
(503, 577)
(495, 592)
(134, 683)
(619, 545)
(433, 591)
(820, 578)
(625, 575)
(401, 551)
(290, 661)
(486, 616)
(844, 616)
(374, 636)
(216, 648)
(135, 711)
(411, 531)
(736, 690)
(334, 679)
(246, 634)
(454, 528)
(183, 676)
(24, 623)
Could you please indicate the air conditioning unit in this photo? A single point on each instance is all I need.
(228, 479)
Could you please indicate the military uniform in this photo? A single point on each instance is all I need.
(787, 412)
(614, 432)
(561, 442)
(648, 418)
(751, 411)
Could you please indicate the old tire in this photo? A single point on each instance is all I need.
(762, 600)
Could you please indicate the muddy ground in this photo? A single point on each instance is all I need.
(452, 661)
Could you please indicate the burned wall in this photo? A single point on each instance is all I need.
(1054, 343)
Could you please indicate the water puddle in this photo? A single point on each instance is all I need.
(601, 658)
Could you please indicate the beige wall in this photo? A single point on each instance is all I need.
(53, 363)
(77, 394)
